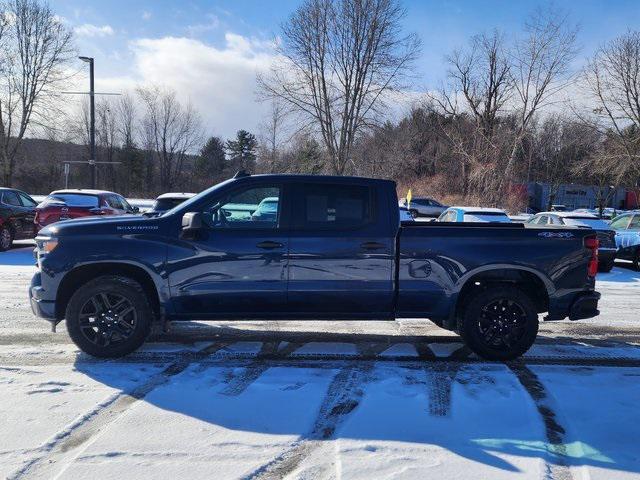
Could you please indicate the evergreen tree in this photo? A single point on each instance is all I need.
(211, 161)
(242, 150)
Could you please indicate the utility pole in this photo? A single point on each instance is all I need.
(92, 121)
(92, 124)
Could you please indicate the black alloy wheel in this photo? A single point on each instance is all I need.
(499, 322)
(109, 316)
(107, 319)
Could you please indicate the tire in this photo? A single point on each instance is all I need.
(413, 212)
(636, 260)
(109, 316)
(606, 267)
(509, 337)
(6, 238)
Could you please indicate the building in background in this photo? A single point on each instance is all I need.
(542, 195)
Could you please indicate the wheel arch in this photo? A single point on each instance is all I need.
(529, 281)
(84, 273)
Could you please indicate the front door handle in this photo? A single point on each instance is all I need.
(268, 245)
(372, 245)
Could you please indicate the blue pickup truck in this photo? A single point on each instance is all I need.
(330, 248)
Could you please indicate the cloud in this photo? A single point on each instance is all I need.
(146, 15)
(220, 82)
(89, 30)
(212, 23)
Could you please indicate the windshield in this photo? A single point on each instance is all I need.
(594, 223)
(184, 206)
(163, 204)
(71, 200)
(486, 217)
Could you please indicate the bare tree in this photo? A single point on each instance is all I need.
(481, 76)
(540, 70)
(172, 130)
(612, 79)
(35, 48)
(338, 60)
(107, 136)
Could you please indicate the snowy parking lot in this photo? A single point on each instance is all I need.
(321, 399)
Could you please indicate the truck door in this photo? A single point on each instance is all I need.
(341, 251)
(236, 266)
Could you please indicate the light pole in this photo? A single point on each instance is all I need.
(92, 121)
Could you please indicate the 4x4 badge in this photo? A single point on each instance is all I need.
(556, 234)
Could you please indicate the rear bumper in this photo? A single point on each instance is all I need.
(576, 307)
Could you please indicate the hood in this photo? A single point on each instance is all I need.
(109, 225)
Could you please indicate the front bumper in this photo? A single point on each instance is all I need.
(39, 305)
(577, 307)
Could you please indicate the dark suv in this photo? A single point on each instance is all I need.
(17, 210)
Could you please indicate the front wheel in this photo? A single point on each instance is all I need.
(109, 316)
(499, 323)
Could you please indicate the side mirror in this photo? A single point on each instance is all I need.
(191, 221)
(135, 210)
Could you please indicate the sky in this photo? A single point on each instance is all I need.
(210, 51)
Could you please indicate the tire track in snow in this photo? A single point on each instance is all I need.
(440, 379)
(253, 371)
(58, 453)
(558, 469)
(343, 396)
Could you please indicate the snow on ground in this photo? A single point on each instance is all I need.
(320, 399)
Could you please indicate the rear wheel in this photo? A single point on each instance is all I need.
(605, 267)
(6, 238)
(499, 323)
(109, 317)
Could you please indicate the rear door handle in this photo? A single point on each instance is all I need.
(372, 245)
(268, 245)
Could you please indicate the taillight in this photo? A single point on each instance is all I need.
(592, 244)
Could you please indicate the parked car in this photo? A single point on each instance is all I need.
(267, 210)
(423, 207)
(474, 214)
(69, 204)
(17, 210)
(405, 214)
(606, 236)
(627, 229)
(166, 202)
(559, 208)
(341, 253)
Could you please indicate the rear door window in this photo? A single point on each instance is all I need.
(11, 198)
(326, 206)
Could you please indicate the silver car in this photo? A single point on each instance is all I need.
(424, 207)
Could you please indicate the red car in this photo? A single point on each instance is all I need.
(68, 204)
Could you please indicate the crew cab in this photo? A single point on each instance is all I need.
(72, 203)
(335, 249)
(17, 210)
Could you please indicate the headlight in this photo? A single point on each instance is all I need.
(46, 245)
